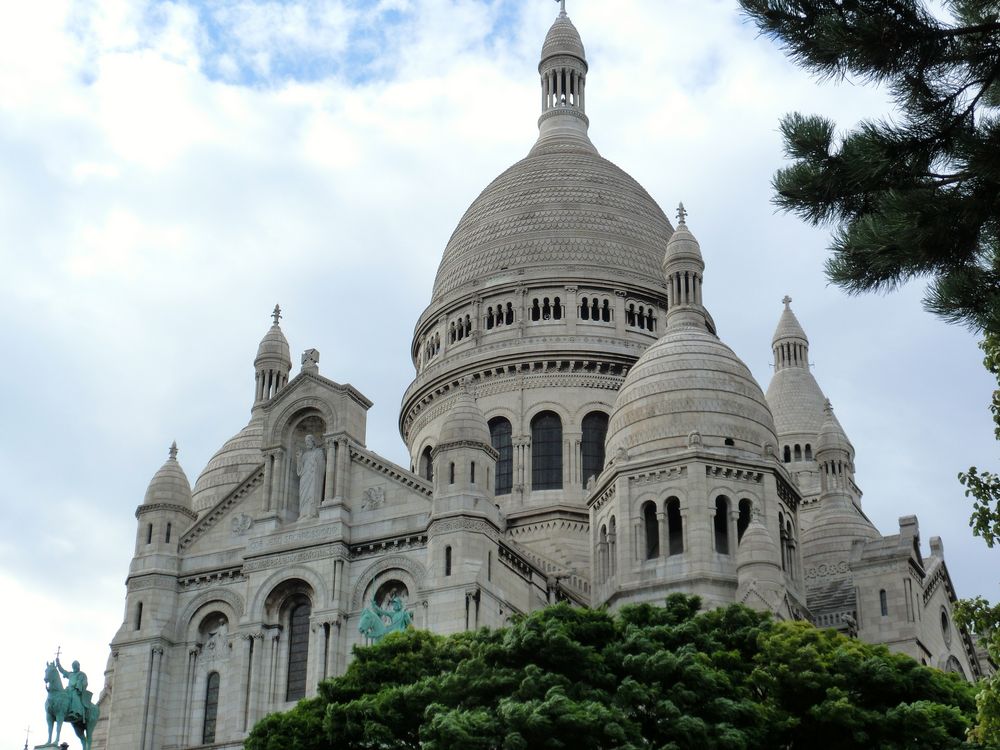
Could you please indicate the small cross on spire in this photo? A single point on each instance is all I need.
(681, 213)
(787, 300)
(562, 7)
(58, 651)
(173, 450)
(276, 314)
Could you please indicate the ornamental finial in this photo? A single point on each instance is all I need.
(562, 7)
(681, 213)
(787, 300)
(276, 314)
(173, 451)
(828, 408)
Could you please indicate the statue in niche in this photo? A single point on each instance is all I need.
(376, 622)
(310, 465)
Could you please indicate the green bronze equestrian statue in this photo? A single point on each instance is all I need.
(72, 703)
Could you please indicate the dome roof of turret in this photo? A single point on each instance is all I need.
(757, 546)
(565, 212)
(789, 326)
(274, 345)
(689, 382)
(563, 39)
(465, 422)
(831, 434)
(796, 401)
(230, 465)
(170, 484)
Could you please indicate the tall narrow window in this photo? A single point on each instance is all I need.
(546, 452)
(298, 650)
(167, 535)
(595, 430)
(501, 438)
(883, 602)
(798, 452)
(472, 472)
(809, 452)
(675, 526)
(427, 465)
(784, 546)
(149, 533)
(138, 616)
(652, 530)
(447, 561)
(722, 525)
(451, 473)
(744, 520)
(788, 454)
(211, 709)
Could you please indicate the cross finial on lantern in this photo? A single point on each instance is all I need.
(562, 7)
(276, 314)
(173, 450)
(787, 300)
(681, 213)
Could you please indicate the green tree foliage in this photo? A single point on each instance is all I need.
(916, 194)
(648, 677)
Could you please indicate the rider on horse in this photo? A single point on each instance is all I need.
(77, 687)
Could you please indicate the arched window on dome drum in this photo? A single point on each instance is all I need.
(452, 333)
(584, 309)
(630, 315)
(557, 311)
(595, 430)
(298, 650)
(652, 530)
(501, 438)
(546, 309)
(798, 452)
(809, 452)
(468, 325)
(211, 709)
(721, 523)
(536, 311)
(509, 318)
(427, 465)
(675, 527)
(606, 312)
(744, 520)
(490, 320)
(546, 452)
(167, 535)
(451, 473)
(788, 454)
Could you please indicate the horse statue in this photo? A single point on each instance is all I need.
(73, 705)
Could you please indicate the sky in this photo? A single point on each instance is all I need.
(171, 170)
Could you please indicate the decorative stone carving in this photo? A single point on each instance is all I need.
(694, 439)
(241, 524)
(373, 497)
(311, 468)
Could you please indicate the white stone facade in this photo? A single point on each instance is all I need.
(578, 432)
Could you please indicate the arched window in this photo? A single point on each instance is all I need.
(546, 452)
(584, 309)
(138, 616)
(788, 454)
(510, 314)
(652, 530)
(490, 320)
(500, 437)
(602, 554)
(451, 473)
(167, 535)
(557, 309)
(790, 542)
(536, 310)
(798, 452)
(595, 430)
(809, 452)
(149, 533)
(606, 312)
(427, 465)
(721, 523)
(546, 309)
(630, 315)
(612, 546)
(447, 561)
(472, 472)
(675, 527)
(744, 520)
(883, 602)
(211, 708)
(298, 650)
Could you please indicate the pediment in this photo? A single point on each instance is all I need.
(226, 507)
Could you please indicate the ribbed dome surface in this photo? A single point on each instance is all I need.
(573, 212)
(689, 381)
(230, 465)
(563, 39)
(465, 422)
(796, 401)
(169, 485)
(274, 344)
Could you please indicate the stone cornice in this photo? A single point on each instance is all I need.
(168, 507)
(391, 470)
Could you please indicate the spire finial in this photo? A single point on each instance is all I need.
(173, 451)
(828, 408)
(276, 314)
(681, 213)
(787, 300)
(562, 7)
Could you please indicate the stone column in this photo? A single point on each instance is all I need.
(734, 516)
(279, 482)
(620, 312)
(188, 695)
(343, 467)
(661, 520)
(329, 490)
(268, 474)
(153, 698)
(255, 678)
(333, 648)
(572, 309)
(316, 658)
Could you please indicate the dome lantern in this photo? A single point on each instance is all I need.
(563, 71)
(684, 270)
(789, 344)
(273, 362)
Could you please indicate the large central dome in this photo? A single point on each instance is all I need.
(560, 208)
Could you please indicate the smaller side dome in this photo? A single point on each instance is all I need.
(465, 422)
(563, 39)
(170, 484)
(274, 345)
(831, 435)
(789, 326)
(757, 547)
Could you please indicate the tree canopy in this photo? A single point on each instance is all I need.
(917, 192)
(647, 677)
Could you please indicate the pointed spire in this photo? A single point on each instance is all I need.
(563, 71)
(173, 451)
(789, 343)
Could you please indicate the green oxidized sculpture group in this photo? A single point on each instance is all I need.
(377, 622)
(72, 703)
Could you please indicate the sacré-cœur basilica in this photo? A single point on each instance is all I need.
(577, 432)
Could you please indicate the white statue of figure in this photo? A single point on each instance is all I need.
(310, 466)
